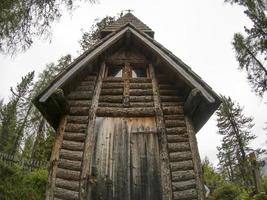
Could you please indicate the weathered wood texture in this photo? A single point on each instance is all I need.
(161, 129)
(69, 146)
(196, 158)
(184, 179)
(85, 182)
(126, 159)
(55, 159)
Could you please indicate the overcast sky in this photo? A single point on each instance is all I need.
(198, 32)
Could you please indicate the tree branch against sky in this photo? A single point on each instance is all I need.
(251, 47)
(23, 20)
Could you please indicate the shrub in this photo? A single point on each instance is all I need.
(16, 184)
(226, 191)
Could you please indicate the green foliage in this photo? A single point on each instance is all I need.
(212, 178)
(228, 191)
(251, 49)
(235, 128)
(261, 196)
(21, 21)
(93, 35)
(16, 184)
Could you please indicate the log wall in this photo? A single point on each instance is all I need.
(67, 175)
(126, 98)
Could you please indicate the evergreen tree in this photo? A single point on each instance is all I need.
(227, 160)
(93, 35)
(251, 48)
(21, 21)
(41, 132)
(235, 128)
(13, 115)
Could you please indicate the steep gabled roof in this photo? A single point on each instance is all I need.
(205, 100)
(128, 18)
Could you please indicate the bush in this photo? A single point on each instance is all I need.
(229, 191)
(261, 196)
(16, 184)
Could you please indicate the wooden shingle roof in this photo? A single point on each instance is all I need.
(128, 18)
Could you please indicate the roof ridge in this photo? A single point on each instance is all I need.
(126, 19)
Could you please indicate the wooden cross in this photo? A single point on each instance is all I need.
(129, 11)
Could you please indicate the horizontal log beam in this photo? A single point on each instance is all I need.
(111, 99)
(174, 117)
(71, 145)
(70, 155)
(174, 123)
(68, 174)
(81, 111)
(126, 112)
(78, 137)
(172, 110)
(177, 138)
(171, 99)
(186, 194)
(71, 127)
(140, 80)
(77, 119)
(66, 184)
(176, 130)
(141, 99)
(112, 79)
(140, 86)
(112, 91)
(66, 194)
(179, 146)
(70, 164)
(180, 156)
(182, 165)
(111, 85)
(184, 185)
(141, 92)
(183, 175)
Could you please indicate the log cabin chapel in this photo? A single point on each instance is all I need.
(126, 113)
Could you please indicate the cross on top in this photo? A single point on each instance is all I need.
(129, 11)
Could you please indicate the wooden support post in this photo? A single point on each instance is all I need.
(89, 140)
(162, 136)
(55, 158)
(126, 91)
(196, 159)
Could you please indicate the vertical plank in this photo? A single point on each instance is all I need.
(89, 140)
(196, 158)
(162, 136)
(55, 158)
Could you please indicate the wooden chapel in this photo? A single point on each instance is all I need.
(126, 113)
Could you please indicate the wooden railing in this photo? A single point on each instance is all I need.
(27, 164)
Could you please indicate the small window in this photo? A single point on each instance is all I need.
(139, 72)
(114, 71)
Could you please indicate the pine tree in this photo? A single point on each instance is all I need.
(251, 48)
(21, 21)
(227, 160)
(93, 35)
(14, 115)
(235, 128)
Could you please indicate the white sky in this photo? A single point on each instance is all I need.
(198, 32)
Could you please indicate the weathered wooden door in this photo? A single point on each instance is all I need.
(126, 160)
